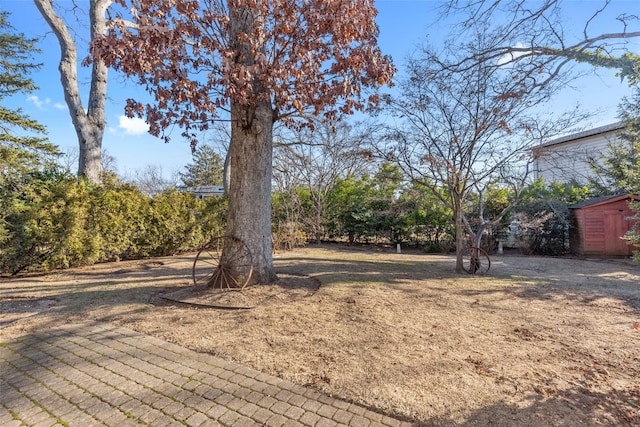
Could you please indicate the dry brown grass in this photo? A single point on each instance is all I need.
(539, 341)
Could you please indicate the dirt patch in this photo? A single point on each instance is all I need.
(14, 309)
(539, 341)
(287, 288)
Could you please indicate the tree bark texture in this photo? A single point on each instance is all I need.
(249, 217)
(89, 124)
(250, 155)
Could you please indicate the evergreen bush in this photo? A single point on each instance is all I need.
(57, 221)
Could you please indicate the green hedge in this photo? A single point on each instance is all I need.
(57, 221)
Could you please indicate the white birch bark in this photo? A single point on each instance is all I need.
(89, 123)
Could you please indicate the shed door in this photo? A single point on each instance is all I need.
(616, 225)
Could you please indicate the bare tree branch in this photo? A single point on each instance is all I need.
(533, 40)
(465, 130)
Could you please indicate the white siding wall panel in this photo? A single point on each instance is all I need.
(568, 161)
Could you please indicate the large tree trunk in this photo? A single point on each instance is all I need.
(249, 217)
(89, 124)
(90, 160)
(250, 156)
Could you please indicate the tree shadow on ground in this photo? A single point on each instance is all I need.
(24, 361)
(536, 278)
(136, 281)
(587, 282)
(413, 274)
(73, 293)
(574, 407)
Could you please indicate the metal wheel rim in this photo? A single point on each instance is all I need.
(480, 265)
(209, 267)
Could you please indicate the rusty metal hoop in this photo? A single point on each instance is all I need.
(232, 271)
(475, 260)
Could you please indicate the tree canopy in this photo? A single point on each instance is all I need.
(23, 149)
(206, 168)
(299, 56)
(255, 63)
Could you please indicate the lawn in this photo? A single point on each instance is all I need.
(537, 341)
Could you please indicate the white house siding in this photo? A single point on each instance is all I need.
(207, 191)
(566, 159)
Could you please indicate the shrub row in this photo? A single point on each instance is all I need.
(58, 221)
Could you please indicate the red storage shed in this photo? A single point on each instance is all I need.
(597, 225)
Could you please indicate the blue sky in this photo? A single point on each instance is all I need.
(403, 25)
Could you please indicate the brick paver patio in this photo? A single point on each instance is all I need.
(93, 375)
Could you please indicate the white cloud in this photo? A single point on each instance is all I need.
(60, 106)
(38, 102)
(505, 59)
(132, 126)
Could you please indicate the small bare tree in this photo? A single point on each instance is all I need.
(315, 159)
(461, 130)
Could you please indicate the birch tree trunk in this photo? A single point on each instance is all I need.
(89, 124)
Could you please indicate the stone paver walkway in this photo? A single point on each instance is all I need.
(93, 375)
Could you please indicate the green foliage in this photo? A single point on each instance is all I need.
(118, 219)
(386, 208)
(45, 225)
(381, 209)
(626, 64)
(619, 169)
(569, 193)
(57, 221)
(626, 172)
(496, 198)
(348, 215)
(20, 151)
(367, 208)
(427, 219)
(178, 222)
(364, 209)
(206, 168)
(619, 172)
(16, 53)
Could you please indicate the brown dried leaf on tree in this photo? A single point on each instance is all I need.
(301, 56)
(255, 63)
